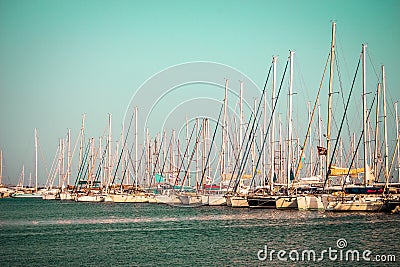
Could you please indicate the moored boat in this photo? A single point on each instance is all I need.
(89, 198)
(310, 202)
(129, 198)
(216, 200)
(262, 201)
(239, 201)
(26, 195)
(286, 202)
(358, 203)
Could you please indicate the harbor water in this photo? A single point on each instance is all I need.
(34, 232)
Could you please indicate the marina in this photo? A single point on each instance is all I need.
(178, 172)
(199, 134)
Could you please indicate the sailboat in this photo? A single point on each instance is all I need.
(290, 200)
(362, 200)
(30, 192)
(264, 197)
(313, 201)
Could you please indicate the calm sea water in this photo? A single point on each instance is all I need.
(34, 232)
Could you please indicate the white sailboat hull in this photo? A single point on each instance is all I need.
(190, 200)
(239, 202)
(94, 198)
(357, 204)
(50, 197)
(124, 198)
(216, 200)
(26, 195)
(66, 196)
(309, 203)
(167, 199)
(286, 202)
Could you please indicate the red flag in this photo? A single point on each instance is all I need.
(321, 150)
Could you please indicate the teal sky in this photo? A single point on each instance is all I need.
(60, 59)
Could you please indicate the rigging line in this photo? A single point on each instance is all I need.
(342, 52)
(184, 155)
(179, 154)
(310, 123)
(139, 163)
(391, 164)
(341, 91)
(358, 145)
(341, 124)
(49, 176)
(191, 157)
(247, 148)
(130, 160)
(127, 165)
(247, 153)
(269, 125)
(373, 67)
(241, 148)
(203, 171)
(158, 157)
(98, 171)
(166, 155)
(81, 168)
(69, 163)
(41, 154)
(95, 156)
(122, 150)
(303, 85)
(242, 164)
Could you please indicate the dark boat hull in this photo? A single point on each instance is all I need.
(262, 202)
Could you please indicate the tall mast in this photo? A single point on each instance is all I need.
(148, 154)
(172, 160)
(385, 123)
(241, 120)
(136, 146)
(397, 138)
(364, 98)
(92, 158)
(328, 134)
(69, 156)
(272, 136)
(123, 157)
(81, 141)
(1, 167)
(208, 144)
(281, 166)
(62, 162)
(204, 153)
(187, 145)
(310, 139)
(59, 160)
(290, 125)
(36, 161)
(376, 160)
(253, 146)
(264, 160)
(224, 129)
(23, 175)
(101, 174)
(197, 155)
(320, 140)
(109, 153)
